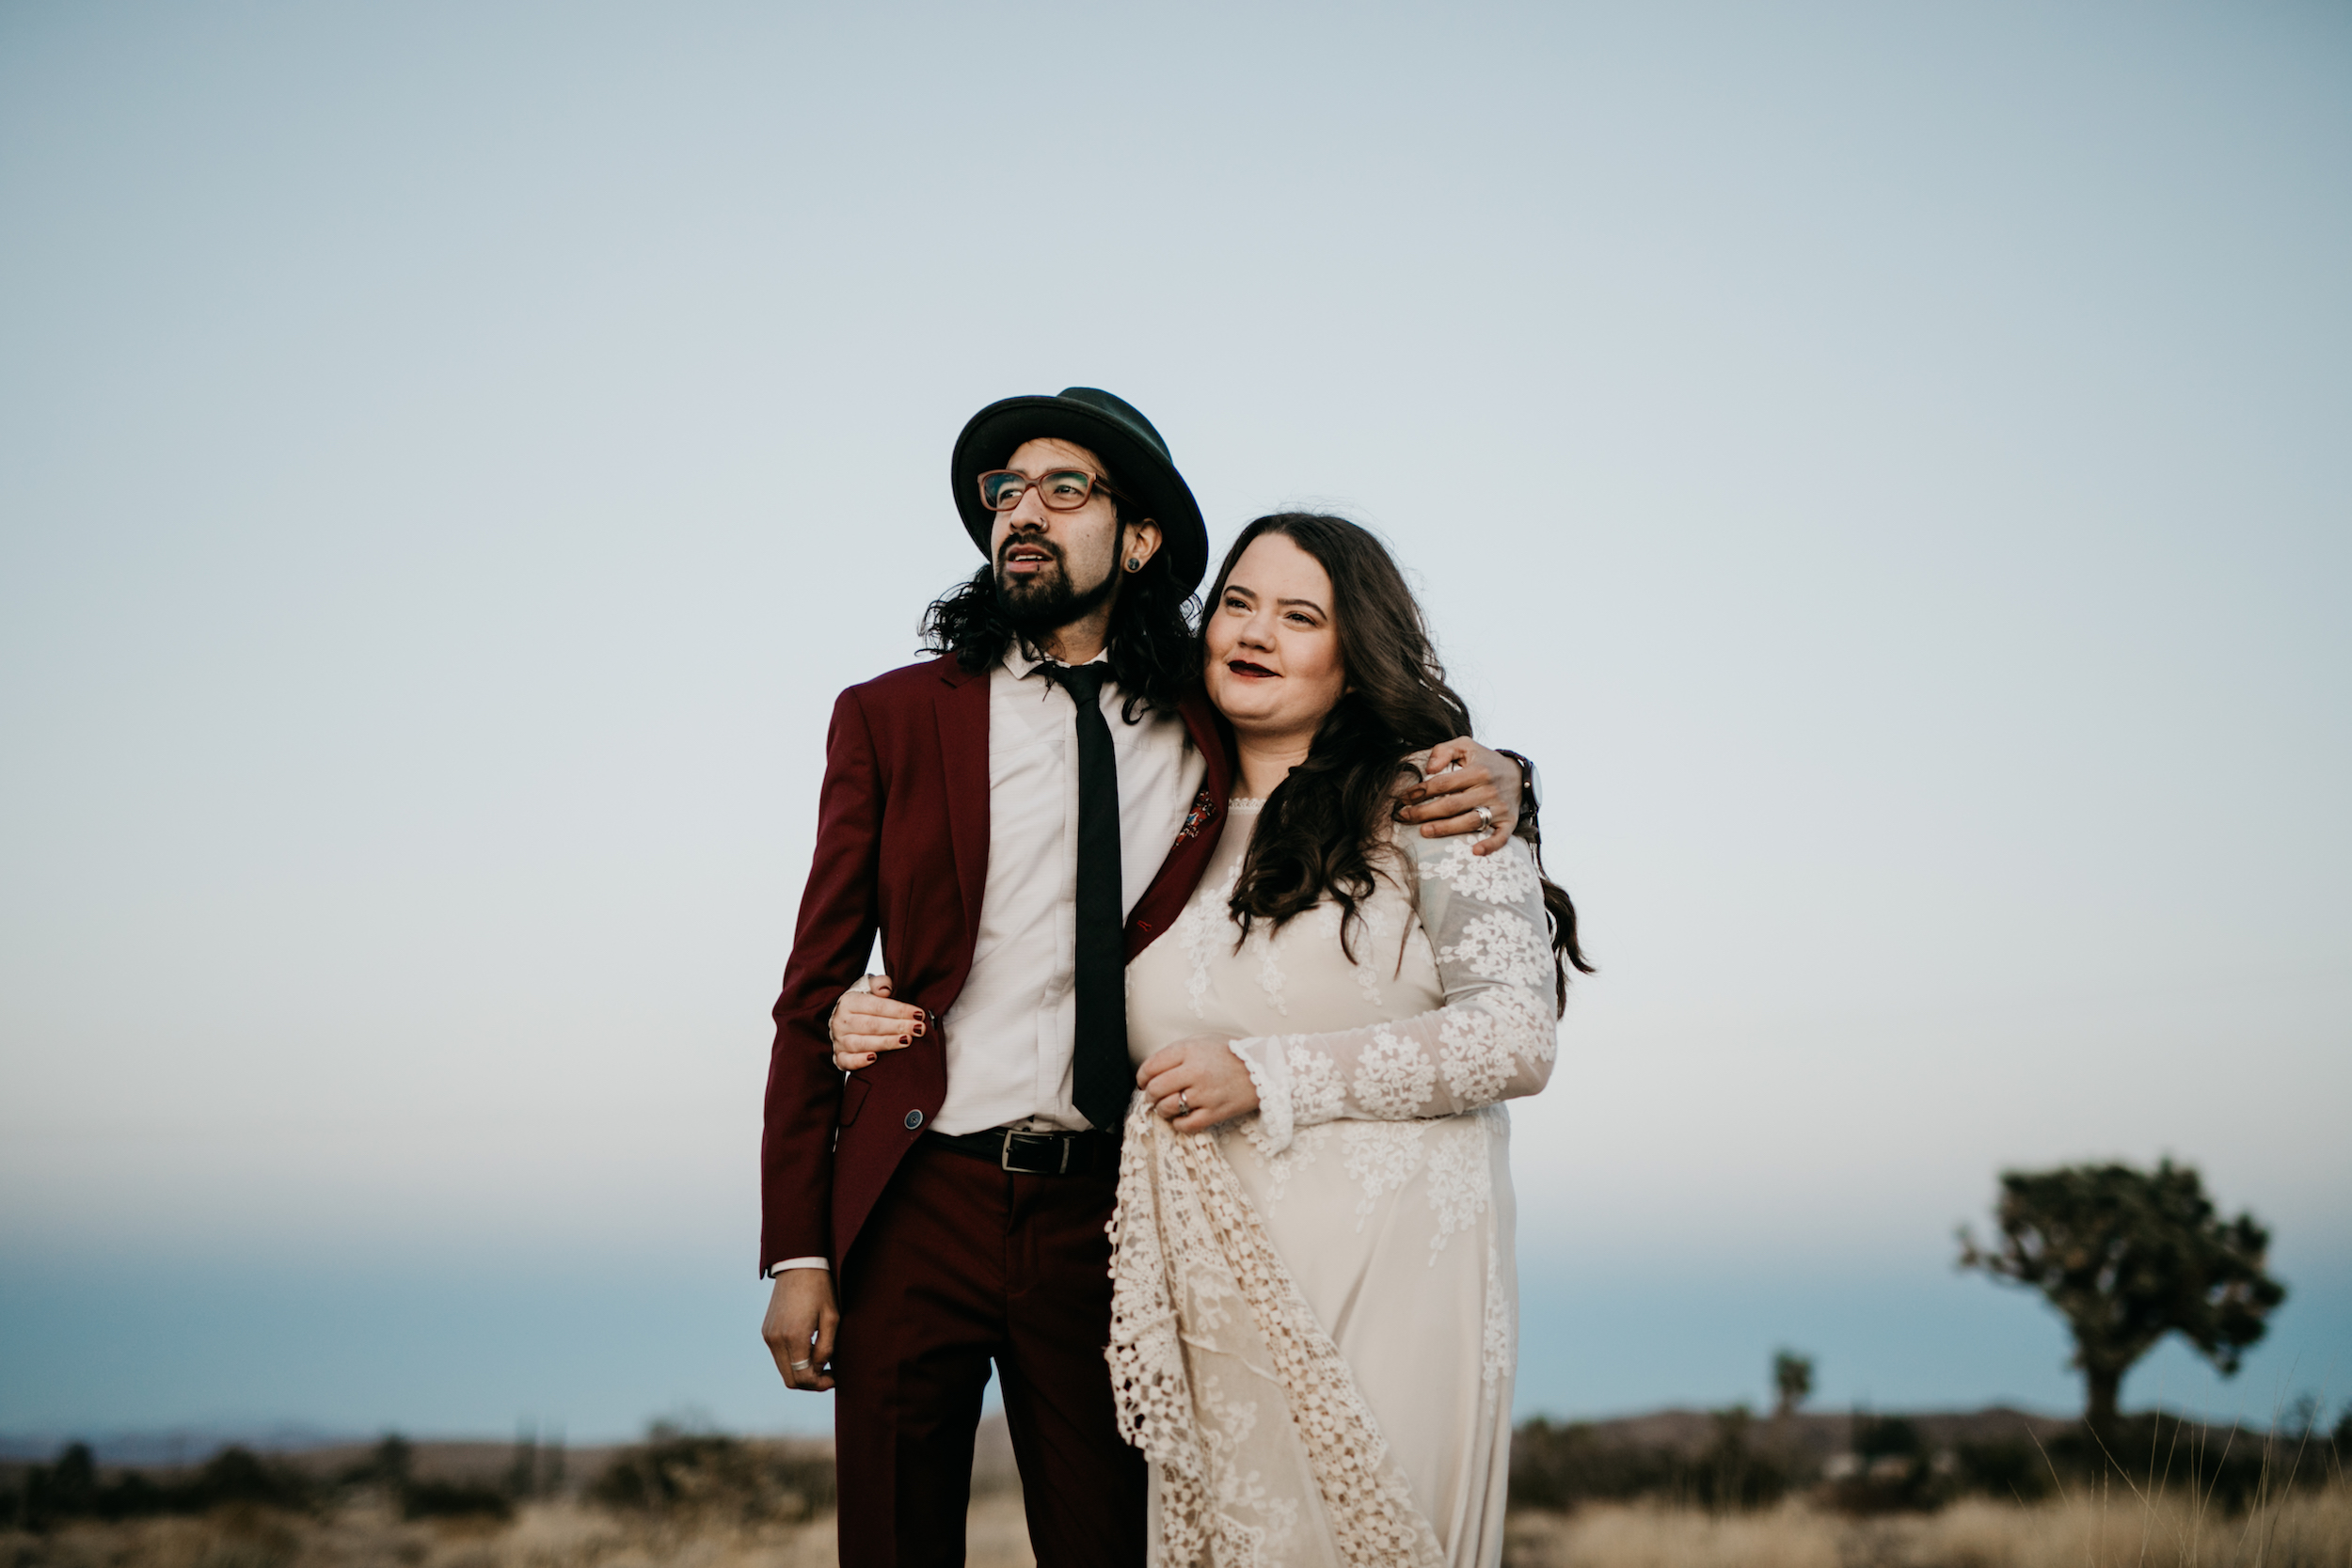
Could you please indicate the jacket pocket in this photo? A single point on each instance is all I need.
(852, 1095)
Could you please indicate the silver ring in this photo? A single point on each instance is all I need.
(1486, 818)
(1184, 1106)
(800, 1366)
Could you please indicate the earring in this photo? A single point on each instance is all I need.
(1133, 565)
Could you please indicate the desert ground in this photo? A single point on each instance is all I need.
(685, 1500)
(2310, 1531)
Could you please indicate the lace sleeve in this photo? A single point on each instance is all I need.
(1494, 1038)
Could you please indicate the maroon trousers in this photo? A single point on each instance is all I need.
(959, 1264)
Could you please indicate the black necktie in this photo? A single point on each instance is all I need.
(1103, 1076)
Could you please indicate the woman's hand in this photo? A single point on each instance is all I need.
(866, 1023)
(1198, 1083)
(1460, 777)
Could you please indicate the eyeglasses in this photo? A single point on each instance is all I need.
(1063, 490)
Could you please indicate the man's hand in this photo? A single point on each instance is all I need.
(866, 1023)
(799, 1327)
(1462, 776)
(1198, 1083)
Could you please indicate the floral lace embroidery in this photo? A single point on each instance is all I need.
(1461, 1178)
(1287, 1162)
(1272, 1128)
(1230, 1425)
(1316, 1094)
(1498, 879)
(1270, 977)
(1382, 1156)
(1394, 1077)
(1200, 928)
(1470, 1052)
(1524, 1020)
(1497, 1351)
(1502, 947)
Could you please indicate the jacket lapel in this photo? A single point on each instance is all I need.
(1209, 733)
(1180, 873)
(963, 712)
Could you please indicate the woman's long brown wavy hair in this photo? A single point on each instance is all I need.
(1319, 830)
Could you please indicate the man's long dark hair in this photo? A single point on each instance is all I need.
(1319, 830)
(1153, 655)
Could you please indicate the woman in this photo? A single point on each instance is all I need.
(1313, 1316)
(1343, 1254)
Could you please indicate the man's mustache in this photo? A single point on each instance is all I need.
(1031, 542)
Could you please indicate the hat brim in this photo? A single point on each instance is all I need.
(1141, 472)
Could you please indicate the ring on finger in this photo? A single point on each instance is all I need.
(800, 1366)
(1486, 818)
(1184, 1106)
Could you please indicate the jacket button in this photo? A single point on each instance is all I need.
(914, 1120)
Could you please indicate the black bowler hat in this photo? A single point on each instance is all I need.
(1112, 429)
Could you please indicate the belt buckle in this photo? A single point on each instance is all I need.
(1061, 1162)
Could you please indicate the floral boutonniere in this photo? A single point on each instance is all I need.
(1202, 809)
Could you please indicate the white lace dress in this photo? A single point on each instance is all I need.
(1314, 1309)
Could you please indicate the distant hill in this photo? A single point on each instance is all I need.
(323, 1453)
(470, 1461)
(179, 1446)
(1824, 1434)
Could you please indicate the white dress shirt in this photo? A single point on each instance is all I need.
(1011, 1031)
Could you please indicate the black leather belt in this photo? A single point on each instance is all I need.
(1035, 1153)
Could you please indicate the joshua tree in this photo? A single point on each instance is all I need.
(2128, 1256)
(1792, 1382)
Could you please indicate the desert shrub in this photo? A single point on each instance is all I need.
(2006, 1468)
(715, 1476)
(64, 1489)
(2229, 1470)
(1897, 1475)
(71, 1488)
(391, 1466)
(248, 1536)
(392, 1463)
(451, 1499)
(1562, 1467)
(238, 1475)
(1734, 1474)
(1877, 1437)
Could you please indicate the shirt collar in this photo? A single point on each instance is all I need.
(1024, 662)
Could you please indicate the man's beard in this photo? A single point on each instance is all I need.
(1046, 603)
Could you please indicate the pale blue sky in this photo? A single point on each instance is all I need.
(1889, 463)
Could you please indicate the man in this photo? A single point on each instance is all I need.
(1017, 818)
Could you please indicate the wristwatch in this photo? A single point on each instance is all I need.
(1531, 792)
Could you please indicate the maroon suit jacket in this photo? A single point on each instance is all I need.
(902, 846)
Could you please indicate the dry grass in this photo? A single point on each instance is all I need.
(544, 1535)
(2305, 1531)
